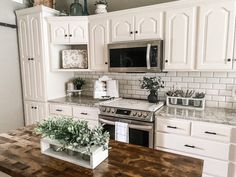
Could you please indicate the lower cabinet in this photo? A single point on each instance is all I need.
(212, 143)
(35, 112)
(89, 114)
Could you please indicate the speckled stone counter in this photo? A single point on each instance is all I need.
(77, 101)
(212, 115)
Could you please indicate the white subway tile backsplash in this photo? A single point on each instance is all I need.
(217, 85)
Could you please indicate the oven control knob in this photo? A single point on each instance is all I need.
(113, 110)
(134, 114)
(108, 110)
(140, 114)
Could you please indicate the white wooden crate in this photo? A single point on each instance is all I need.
(98, 154)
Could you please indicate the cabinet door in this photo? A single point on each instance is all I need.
(37, 72)
(25, 55)
(122, 28)
(59, 32)
(99, 34)
(180, 39)
(34, 112)
(149, 25)
(215, 37)
(78, 32)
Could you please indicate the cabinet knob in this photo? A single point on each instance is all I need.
(166, 61)
(131, 32)
(70, 35)
(136, 32)
(28, 59)
(66, 35)
(106, 63)
(229, 60)
(32, 107)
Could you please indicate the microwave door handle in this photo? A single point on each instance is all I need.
(148, 56)
(106, 122)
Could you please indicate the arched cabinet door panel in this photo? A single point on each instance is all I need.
(78, 32)
(180, 39)
(216, 36)
(59, 32)
(99, 36)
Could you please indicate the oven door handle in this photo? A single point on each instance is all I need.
(141, 127)
(106, 122)
(148, 56)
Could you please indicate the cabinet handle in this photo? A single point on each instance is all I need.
(106, 63)
(32, 58)
(84, 113)
(35, 108)
(210, 133)
(136, 32)
(66, 35)
(171, 127)
(70, 35)
(229, 60)
(28, 59)
(32, 107)
(189, 146)
(58, 110)
(131, 32)
(166, 61)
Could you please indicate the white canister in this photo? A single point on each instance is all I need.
(70, 86)
(101, 8)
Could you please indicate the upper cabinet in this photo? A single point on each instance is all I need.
(144, 25)
(180, 35)
(68, 30)
(99, 38)
(216, 36)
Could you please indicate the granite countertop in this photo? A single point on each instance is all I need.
(212, 115)
(21, 156)
(77, 101)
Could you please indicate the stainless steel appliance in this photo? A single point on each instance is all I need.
(141, 56)
(138, 114)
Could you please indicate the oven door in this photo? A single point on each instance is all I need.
(144, 56)
(140, 133)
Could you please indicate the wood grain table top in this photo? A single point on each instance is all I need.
(20, 156)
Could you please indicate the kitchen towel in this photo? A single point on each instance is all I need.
(122, 132)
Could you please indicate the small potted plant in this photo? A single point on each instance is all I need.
(173, 94)
(152, 84)
(78, 83)
(101, 6)
(198, 99)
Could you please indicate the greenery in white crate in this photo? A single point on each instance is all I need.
(73, 134)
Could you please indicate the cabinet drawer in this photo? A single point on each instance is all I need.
(193, 145)
(173, 126)
(60, 109)
(85, 112)
(211, 131)
(232, 170)
(215, 167)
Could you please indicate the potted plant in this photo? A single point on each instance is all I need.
(101, 6)
(198, 99)
(152, 84)
(73, 138)
(78, 83)
(174, 94)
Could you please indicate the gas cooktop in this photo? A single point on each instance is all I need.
(130, 109)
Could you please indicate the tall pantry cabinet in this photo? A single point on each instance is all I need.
(39, 83)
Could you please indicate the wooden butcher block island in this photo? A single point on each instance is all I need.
(20, 156)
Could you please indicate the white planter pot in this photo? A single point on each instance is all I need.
(75, 156)
(101, 8)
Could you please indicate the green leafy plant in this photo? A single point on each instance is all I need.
(152, 84)
(101, 2)
(73, 134)
(78, 83)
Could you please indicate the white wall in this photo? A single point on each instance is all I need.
(113, 5)
(11, 109)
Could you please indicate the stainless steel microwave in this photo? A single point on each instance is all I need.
(141, 56)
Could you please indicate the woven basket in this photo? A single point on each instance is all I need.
(48, 3)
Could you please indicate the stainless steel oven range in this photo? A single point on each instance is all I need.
(138, 114)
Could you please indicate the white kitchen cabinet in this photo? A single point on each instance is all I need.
(180, 39)
(216, 36)
(68, 30)
(34, 112)
(144, 25)
(232, 170)
(99, 38)
(31, 57)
